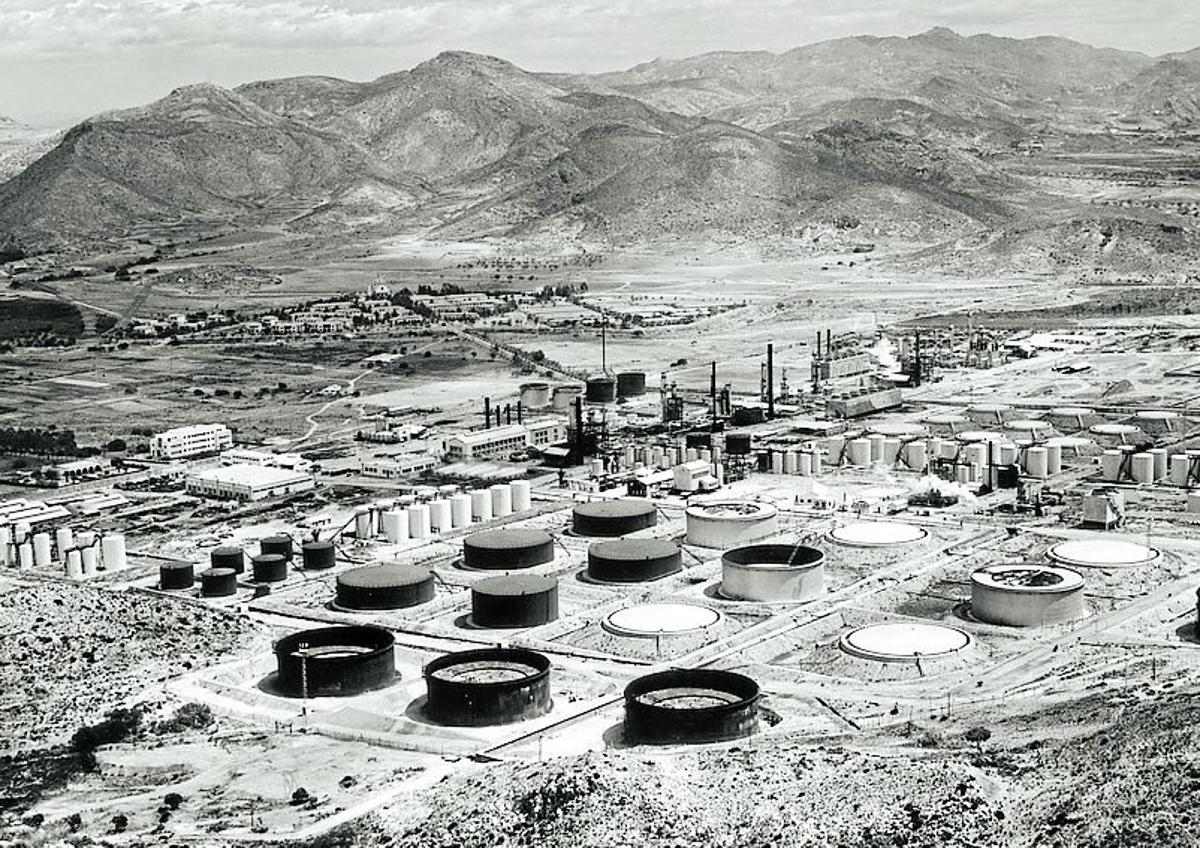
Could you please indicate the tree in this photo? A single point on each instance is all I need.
(119, 822)
(116, 445)
(172, 800)
(300, 796)
(978, 735)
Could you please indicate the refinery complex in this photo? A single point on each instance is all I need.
(930, 524)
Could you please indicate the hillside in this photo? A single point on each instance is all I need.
(908, 138)
(1100, 772)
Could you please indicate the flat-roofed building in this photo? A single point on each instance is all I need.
(246, 482)
(194, 440)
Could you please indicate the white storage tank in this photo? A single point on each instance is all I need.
(460, 509)
(1053, 459)
(481, 505)
(112, 551)
(725, 524)
(362, 522)
(522, 495)
(1193, 502)
(1037, 463)
(439, 516)
(789, 462)
(914, 455)
(776, 462)
(501, 500)
(419, 526)
(1030, 595)
(41, 550)
(25, 555)
(64, 540)
(1160, 462)
(876, 440)
(535, 395)
(1110, 465)
(74, 565)
(1180, 465)
(90, 560)
(1142, 468)
(395, 525)
(804, 461)
(859, 452)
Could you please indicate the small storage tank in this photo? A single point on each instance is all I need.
(631, 384)
(228, 556)
(517, 600)
(501, 500)
(1110, 465)
(41, 550)
(633, 560)
(440, 518)
(279, 544)
(535, 395)
(74, 565)
(363, 525)
(382, 587)
(737, 444)
(507, 549)
(858, 452)
(481, 505)
(522, 495)
(613, 518)
(218, 583)
(564, 397)
(601, 390)
(419, 526)
(773, 572)
(395, 525)
(487, 686)
(726, 524)
(1142, 468)
(1037, 463)
(318, 555)
(690, 705)
(1028, 595)
(173, 576)
(460, 510)
(112, 551)
(64, 540)
(269, 568)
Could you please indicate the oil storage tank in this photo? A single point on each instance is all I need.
(563, 397)
(269, 568)
(487, 686)
(600, 390)
(382, 587)
(228, 556)
(173, 576)
(613, 518)
(518, 600)
(507, 549)
(725, 524)
(1026, 595)
(633, 560)
(218, 583)
(631, 384)
(333, 661)
(690, 705)
(279, 544)
(535, 395)
(773, 572)
(318, 555)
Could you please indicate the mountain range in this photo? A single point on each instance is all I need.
(860, 138)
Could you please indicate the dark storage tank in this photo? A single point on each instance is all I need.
(737, 444)
(228, 556)
(176, 575)
(518, 600)
(269, 568)
(631, 383)
(388, 586)
(487, 686)
(218, 583)
(335, 661)
(690, 705)
(503, 550)
(318, 555)
(600, 390)
(699, 441)
(613, 518)
(633, 560)
(278, 544)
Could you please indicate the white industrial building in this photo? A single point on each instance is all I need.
(246, 482)
(194, 440)
(401, 465)
(492, 443)
(247, 456)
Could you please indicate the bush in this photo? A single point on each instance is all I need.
(119, 822)
(116, 445)
(117, 726)
(172, 800)
(104, 323)
(300, 796)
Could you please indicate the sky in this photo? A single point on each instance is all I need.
(62, 60)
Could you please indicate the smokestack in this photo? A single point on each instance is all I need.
(508, 413)
(712, 393)
(604, 342)
(497, 415)
(917, 362)
(818, 344)
(770, 380)
(578, 430)
(829, 343)
(487, 413)
(520, 417)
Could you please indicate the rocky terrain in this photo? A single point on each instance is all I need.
(1109, 770)
(70, 653)
(923, 140)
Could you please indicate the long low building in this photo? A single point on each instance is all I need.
(245, 482)
(501, 442)
(194, 440)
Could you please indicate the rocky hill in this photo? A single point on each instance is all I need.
(905, 136)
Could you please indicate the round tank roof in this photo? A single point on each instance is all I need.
(1156, 415)
(1069, 442)
(1028, 578)
(507, 539)
(515, 585)
(903, 641)
(660, 619)
(1110, 429)
(944, 418)
(383, 576)
(1101, 553)
(990, 407)
(981, 436)
(634, 550)
(1072, 411)
(870, 534)
(1032, 424)
(732, 510)
(620, 508)
(897, 429)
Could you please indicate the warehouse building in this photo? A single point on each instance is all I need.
(246, 482)
(501, 442)
(401, 465)
(195, 440)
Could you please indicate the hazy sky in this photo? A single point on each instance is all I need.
(61, 60)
